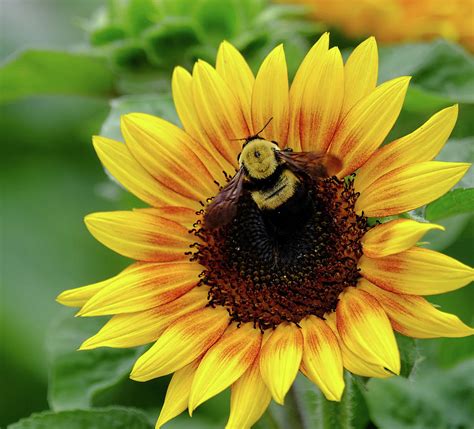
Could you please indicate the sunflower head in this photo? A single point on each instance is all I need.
(288, 276)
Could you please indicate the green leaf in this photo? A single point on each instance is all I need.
(434, 399)
(78, 377)
(100, 418)
(37, 72)
(456, 202)
(440, 67)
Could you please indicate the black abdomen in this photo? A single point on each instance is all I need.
(291, 216)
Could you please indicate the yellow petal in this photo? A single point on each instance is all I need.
(280, 359)
(219, 112)
(233, 68)
(415, 317)
(322, 357)
(365, 329)
(394, 237)
(225, 362)
(183, 341)
(77, 297)
(421, 145)
(360, 74)
(416, 271)
(140, 235)
(171, 156)
(249, 399)
(312, 60)
(351, 361)
(410, 187)
(118, 160)
(145, 286)
(321, 104)
(176, 399)
(270, 97)
(143, 327)
(367, 124)
(181, 85)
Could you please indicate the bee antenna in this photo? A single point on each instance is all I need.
(247, 139)
(265, 126)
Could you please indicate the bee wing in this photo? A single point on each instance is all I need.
(224, 206)
(313, 164)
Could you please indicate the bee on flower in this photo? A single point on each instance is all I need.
(255, 260)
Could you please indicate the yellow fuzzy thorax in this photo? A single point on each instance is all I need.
(283, 190)
(258, 157)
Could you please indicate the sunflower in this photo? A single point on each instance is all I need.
(239, 306)
(398, 20)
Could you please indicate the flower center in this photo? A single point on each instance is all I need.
(272, 266)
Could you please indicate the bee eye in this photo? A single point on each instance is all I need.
(257, 154)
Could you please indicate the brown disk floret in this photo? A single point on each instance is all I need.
(266, 278)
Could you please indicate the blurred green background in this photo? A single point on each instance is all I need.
(69, 70)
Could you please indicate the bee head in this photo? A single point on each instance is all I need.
(258, 157)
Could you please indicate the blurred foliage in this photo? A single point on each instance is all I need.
(139, 35)
(421, 403)
(34, 72)
(52, 102)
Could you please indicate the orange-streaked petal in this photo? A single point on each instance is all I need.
(171, 156)
(322, 359)
(225, 362)
(145, 286)
(182, 215)
(219, 112)
(360, 74)
(410, 187)
(143, 327)
(311, 61)
(367, 124)
(416, 271)
(421, 145)
(351, 361)
(394, 237)
(182, 342)
(280, 359)
(270, 97)
(140, 235)
(415, 317)
(365, 329)
(176, 399)
(233, 68)
(321, 104)
(121, 164)
(249, 399)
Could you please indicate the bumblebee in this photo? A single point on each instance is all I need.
(277, 181)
